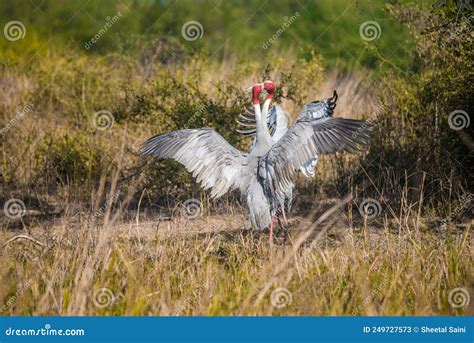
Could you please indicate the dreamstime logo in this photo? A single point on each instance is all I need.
(19, 114)
(464, 201)
(109, 201)
(199, 113)
(191, 208)
(47, 330)
(103, 120)
(370, 208)
(370, 297)
(15, 297)
(189, 300)
(192, 30)
(369, 122)
(458, 120)
(103, 297)
(281, 297)
(458, 297)
(463, 28)
(14, 208)
(286, 24)
(370, 30)
(101, 211)
(14, 30)
(108, 24)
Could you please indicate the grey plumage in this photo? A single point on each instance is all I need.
(266, 173)
(278, 121)
(319, 108)
(306, 138)
(315, 110)
(210, 158)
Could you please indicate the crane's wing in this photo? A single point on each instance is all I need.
(316, 110)
(207, 155)
(304, 140)
(319, 108)
(282, 121)
(249, 124)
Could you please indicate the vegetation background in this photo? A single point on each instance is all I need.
(90, 228)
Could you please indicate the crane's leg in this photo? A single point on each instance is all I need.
(271, 231)
(284, 227)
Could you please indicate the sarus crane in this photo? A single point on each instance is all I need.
(277, 122)
(264, 174)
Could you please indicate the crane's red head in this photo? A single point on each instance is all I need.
(256, 90)
(269, 87)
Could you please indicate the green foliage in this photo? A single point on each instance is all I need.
(412, 132)
(240, 29)
(70, 159)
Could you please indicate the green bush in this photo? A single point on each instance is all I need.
(76, 160)
(413, 135)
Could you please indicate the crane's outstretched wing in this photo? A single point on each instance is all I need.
(304, 140)
(207, 155)
(316, 110)
(319, 108)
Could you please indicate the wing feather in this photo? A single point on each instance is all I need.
(304, 140)
(207, 155)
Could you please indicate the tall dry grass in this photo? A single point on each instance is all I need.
(213, 265)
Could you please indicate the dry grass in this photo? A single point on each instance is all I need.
(213, 265)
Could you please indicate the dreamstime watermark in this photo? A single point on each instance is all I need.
(108, 202)
(464, 202)
(103, 120)
(109, 22)
(191, 208)
(370, 30)
(459, 297)
(14, 208)
(200, 111)
(462, 4)
(103, 297)
(18, 115)
(15, 297)
(14, 30)
(464, 28)
(192, 30)
(369, 122)
(370, 297)
(46, 331)
(286, 24)
(189, 300)
(370, 208)
(281, 297)
(458, 120)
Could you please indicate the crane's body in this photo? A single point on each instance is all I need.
(266, 173)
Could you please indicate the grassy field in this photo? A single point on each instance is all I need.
(213, 265)
(91, 228)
